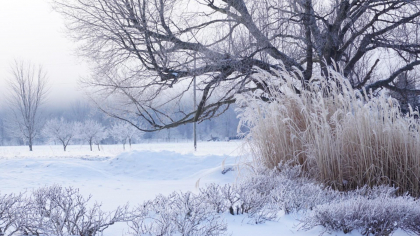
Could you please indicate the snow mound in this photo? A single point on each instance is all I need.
(164, 165)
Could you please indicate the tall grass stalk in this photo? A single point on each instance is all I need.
(340, 136)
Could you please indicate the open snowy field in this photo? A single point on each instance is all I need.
(114, 177)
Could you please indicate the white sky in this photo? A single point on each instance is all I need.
(30, 30)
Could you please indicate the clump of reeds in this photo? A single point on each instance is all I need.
(343, 137)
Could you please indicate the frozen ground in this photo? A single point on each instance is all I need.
(113, 176)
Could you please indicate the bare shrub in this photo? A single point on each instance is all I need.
(372, 214)
(257, 205)
(179, 213)
(263, 195)
(252, 197)
(342, 137)
(218, 200)
(64, 211)
(11, 207)
(290, 190)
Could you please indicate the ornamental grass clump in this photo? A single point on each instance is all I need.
(343, 137)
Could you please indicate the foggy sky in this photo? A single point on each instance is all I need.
(32, 31)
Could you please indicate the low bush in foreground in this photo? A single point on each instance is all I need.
(265, 196)
(370, 216)
(342, 137)
(54, 211)
(377, 211)
(58, 211)
(176, 214)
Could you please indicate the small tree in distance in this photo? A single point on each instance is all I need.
(92, 130)
(101, 135)
(28, 90)
(61, 130)
(122, 132)
(132, 134)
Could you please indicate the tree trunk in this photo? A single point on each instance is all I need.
(90, 143)
(30, 144)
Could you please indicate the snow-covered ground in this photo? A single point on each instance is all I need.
(114, 177)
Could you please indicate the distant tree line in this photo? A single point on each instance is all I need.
(81, 123)
(26, 121)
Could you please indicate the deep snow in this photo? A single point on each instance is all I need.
(113, 176)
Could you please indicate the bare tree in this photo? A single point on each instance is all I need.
(28, 91)
(92, 132)
(147, 52)
(123, 132)
(100, 136)
(61, 130)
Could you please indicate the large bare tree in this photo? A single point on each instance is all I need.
(147, 52)
(28, 91)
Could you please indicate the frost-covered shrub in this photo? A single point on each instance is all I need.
(257, 205)
(289, 189)
(343, 137)
(265, 194)
(179, 213)
(11, 208)
(302, 196)
(218, 197)
(251, 196)
(62, 211)
(371, 193)
(371, 216)
(238, 199)
(257, 197)
(261, 197)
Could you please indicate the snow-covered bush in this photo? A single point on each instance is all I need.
(60, 130)
(343, 137)
(241, 198)
(256, 204)
(288, 190)
(213, 195)
(374, 213)
(11, 208)
(178, 213)
(265, 194)
(55, 211)
(62, 211)
(261, 197)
